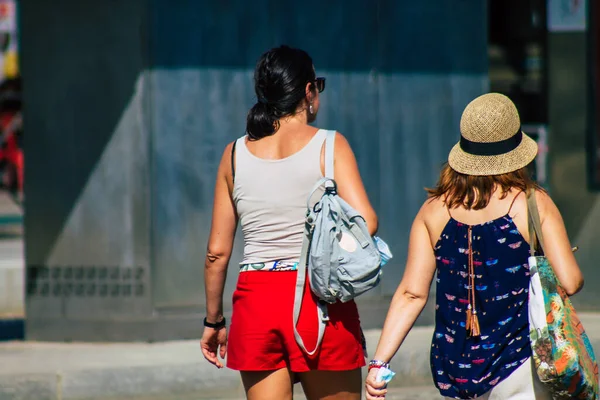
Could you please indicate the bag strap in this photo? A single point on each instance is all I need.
(329, 154)
(299, 295)
(303, 264)
(534, 224)
(329, 158)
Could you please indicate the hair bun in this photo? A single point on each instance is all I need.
(280, 80)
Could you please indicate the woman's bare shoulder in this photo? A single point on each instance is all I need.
(546, 206)
(433, 206)
(434, 216)
(542, 198)
(433, 212)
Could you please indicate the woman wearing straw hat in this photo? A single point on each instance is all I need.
(472, 232)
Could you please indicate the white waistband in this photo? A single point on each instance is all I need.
(270, 266)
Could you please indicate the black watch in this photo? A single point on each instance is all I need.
(217, 325)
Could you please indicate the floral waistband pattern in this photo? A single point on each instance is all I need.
(270, 266)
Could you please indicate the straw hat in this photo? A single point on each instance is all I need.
(492, 142)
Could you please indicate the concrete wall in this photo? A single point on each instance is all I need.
(568, 110)
(87, 214)
(124, 139)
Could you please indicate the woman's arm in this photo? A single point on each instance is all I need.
(408, 301)
(220, 242)
(557, 246)
(412, 293)
(350, 184)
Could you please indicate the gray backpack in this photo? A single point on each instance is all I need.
(338, 253)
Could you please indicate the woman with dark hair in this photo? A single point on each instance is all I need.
(473, 233)
(264, 180)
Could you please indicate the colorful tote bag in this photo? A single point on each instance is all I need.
(562, 352)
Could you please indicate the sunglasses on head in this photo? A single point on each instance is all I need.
(320, 84)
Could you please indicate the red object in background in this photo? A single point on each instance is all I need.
(11, 155)
(5, 10)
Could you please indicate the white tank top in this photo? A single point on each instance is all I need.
(270, 198)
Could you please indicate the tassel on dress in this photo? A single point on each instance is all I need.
(472, 323)
(475, 331)
(469, 316)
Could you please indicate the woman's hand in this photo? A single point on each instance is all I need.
(375, 390)
(213, 342)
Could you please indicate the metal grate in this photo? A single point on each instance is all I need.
(84, 281)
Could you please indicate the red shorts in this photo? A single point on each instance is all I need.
(261, 336)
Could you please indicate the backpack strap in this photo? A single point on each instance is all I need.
(329, 154)
(299, 295)
(303, 264)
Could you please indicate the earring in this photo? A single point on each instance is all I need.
(310, 109)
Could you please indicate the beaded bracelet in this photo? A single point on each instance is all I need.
(378, 364)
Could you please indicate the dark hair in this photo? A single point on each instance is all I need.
(475, 192)
(280, 80)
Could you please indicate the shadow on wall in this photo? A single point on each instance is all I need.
(81, 61)
(176, 78)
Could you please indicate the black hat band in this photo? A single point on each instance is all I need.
(491, 148)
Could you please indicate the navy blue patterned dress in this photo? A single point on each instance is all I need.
(466, 365)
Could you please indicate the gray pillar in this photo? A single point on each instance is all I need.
(130, 104)
(87, 212)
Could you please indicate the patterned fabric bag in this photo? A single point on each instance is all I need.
(562, 352)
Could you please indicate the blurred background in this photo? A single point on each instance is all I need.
(114, 114)
(127, 105)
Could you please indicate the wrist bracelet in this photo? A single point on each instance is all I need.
(378, 364)
(216, 325)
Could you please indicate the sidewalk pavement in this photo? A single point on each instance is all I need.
(174, 370)
(11, 260)
(12, 295)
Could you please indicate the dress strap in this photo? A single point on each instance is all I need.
(513, 202)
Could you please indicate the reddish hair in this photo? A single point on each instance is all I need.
(474, 192)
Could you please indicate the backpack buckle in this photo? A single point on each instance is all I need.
(332, 190)
(323, 306)
(330, 186)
